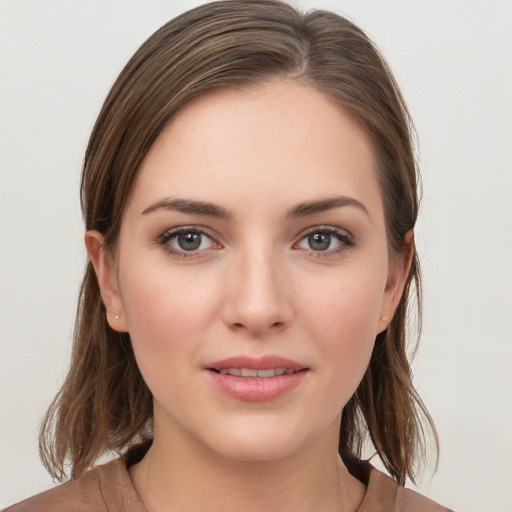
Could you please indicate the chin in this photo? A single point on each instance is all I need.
(263, 441)
(261, 449)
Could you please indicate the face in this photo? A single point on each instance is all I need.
(252, 270)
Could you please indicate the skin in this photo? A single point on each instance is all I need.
(257, 285)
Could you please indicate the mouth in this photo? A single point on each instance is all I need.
(256, 367)
(256, 379)
(256, 373)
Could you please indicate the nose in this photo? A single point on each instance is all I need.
(258, 295)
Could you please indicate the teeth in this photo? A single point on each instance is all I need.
(249, 372)
(266, 373)
(230, 371)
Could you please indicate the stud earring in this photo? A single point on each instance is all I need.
(385, 319)
(117, 317)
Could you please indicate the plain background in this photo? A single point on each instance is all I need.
(453, 60)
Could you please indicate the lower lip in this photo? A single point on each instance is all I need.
(256, 389)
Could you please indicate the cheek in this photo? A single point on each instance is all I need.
(343, 319)
(346, 306)
(167, 313)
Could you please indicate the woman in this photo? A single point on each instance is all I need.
(249, 191)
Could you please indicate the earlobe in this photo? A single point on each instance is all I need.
(397, 278)
(104, 267)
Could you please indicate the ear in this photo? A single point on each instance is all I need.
(398, 272)
(104, 267)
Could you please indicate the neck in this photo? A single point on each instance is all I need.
(180, 474)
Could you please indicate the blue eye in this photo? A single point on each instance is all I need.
(183, 240)
(326, 239)
(189, 241)
(319, 241)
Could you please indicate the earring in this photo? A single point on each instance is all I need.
(385, 319)
(117, 317)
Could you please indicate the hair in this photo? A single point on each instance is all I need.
(104, 404)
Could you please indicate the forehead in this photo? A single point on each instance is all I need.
(282, 139)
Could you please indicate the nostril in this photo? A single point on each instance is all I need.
(241, 325)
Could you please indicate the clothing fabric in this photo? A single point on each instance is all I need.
(108, 488)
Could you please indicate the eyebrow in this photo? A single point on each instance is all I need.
(322, 205)
(189, 206)
(213, 210)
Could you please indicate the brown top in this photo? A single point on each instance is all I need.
(108, 488)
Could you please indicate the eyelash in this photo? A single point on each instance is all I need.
(345, 239)
(165, 239)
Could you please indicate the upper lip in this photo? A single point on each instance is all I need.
(267, 362)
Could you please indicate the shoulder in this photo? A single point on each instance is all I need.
(105, 488)
(409, 500)
(84, 493)
(384, 495)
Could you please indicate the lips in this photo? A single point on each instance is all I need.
(269, 362)
(249, 372)
(256, 379)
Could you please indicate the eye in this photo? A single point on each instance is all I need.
(186, 241)
(326, 239)
(190, 241)
(319, 241)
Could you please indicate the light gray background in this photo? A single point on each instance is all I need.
(453, 59)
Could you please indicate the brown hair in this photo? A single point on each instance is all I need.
(104, 404)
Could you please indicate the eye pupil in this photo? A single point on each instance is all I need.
(189, 241)
(319, 241)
